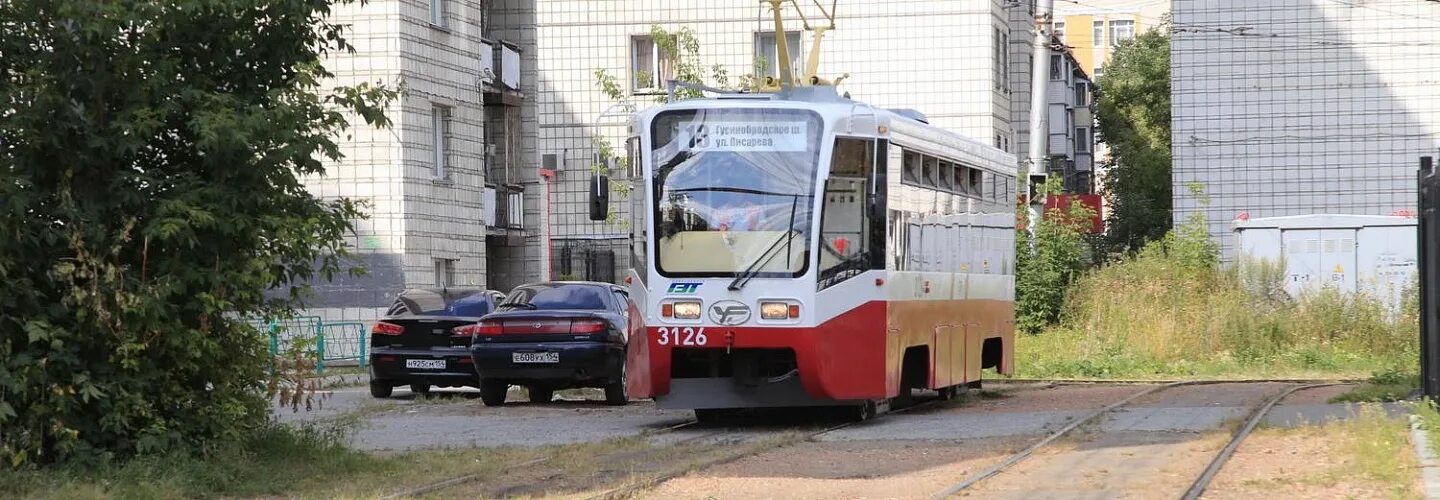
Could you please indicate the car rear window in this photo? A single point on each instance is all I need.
(555, 297)
(442, 303)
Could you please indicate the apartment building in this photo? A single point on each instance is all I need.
(1071, 122)
(1093, 28)
(953, 61)
(1299, 107)
(425, 178)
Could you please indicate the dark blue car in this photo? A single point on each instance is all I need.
(417, 344)
(553, 335)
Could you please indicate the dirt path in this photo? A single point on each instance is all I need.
(1368, 457)
(858, 470)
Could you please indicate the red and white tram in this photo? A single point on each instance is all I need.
(804, 249)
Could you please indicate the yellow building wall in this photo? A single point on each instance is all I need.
(1079, 35)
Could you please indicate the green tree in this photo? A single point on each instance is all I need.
(151, 156)
(1134, 115)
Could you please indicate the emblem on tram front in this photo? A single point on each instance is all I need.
(729, 312)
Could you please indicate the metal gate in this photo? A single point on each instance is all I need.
(584, 262)
(1429, 232)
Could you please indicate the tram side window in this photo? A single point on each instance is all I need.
(947, 176)
(912, 167)
(845, 224)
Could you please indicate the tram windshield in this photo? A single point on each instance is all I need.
(734, 191)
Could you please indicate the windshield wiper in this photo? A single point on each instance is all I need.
(733, 190)
(754, 267)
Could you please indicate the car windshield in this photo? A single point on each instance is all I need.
(734, 190)
(557, 296)
(442, 302)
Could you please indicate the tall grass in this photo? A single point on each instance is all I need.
(1171, 311)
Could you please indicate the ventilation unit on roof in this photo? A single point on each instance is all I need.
(911, 114)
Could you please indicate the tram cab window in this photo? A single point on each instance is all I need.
(845, 224)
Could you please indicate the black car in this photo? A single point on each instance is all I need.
(416, 343)
(554, 335)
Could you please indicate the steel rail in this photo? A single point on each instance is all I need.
(631, 490)
(1028, 451)
(1198, 487)
(459, 480)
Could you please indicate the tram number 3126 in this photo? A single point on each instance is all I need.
(683, 336)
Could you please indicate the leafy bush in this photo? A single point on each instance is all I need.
(1045, 269)
(150, 195)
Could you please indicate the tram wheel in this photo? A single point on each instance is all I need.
(863, 412)
(711, 415)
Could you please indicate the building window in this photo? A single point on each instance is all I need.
(1082, 94)
(1005, 61)
(1098, 33)
(440, 139)
(650, 66)
(1099, 70)
(1060, 30)
(1121, 31)
(767, 54)
(444, 272)
(999, 72)
(1082, 140)
(1056, 65)
(437, 13)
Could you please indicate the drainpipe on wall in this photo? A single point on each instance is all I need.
(549, 176)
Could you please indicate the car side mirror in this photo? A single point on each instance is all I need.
(599, 197)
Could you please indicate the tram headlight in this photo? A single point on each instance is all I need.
(689, 309)
(776, 310)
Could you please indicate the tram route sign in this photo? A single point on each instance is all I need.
(777, 136)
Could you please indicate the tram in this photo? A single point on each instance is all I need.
(799, 248)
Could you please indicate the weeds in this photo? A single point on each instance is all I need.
(1385, 386)
(1171, 311)
(310, 460)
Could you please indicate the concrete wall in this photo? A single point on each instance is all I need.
(1294, 107)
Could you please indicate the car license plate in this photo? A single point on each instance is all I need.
(425, 364)
(535, 357)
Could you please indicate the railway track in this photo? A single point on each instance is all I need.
(1201, 482)
(631, 489)
(464, 479)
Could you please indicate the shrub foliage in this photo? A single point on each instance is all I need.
(151, 156)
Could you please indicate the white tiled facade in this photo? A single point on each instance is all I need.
(955, 61)
(1294, 107)
(418, 214)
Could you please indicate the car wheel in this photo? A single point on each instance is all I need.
(493, 392)
(420, 388)
(380, 389)
(615, 391)
(540, 394)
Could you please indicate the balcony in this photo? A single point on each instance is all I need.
(504, 215)
(500, 74)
